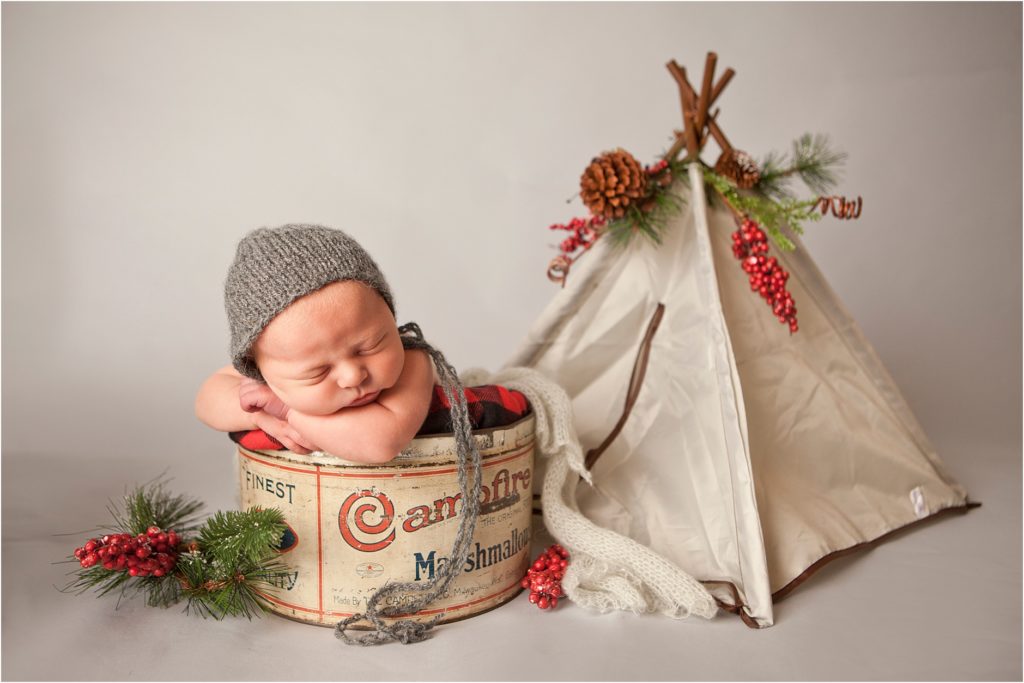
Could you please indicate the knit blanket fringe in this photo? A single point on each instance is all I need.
(608, 571)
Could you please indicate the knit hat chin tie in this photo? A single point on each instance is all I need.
(272, 268)
(275, 266)
(419, 594)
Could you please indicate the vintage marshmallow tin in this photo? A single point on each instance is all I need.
(352, 527)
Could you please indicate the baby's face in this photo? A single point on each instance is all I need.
(335, 348)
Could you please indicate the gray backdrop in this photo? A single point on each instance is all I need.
(140, 141)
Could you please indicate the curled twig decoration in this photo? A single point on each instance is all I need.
(842, 207)
(558, 269)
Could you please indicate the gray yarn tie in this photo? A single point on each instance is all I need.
(407, 630)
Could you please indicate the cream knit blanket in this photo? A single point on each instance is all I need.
(607, 571)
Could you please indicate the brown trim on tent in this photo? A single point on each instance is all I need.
(635, 381)
(778, 595)
(737, 605)
(807, 573)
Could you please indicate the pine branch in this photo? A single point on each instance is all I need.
(151, 505)
(813, 160)
(222, 573)
(237, 551)
(158, 592)
(234, 537)
(774, 180)
(770, 214)
(216, 590)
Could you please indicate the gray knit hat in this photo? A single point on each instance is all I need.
(275, 266)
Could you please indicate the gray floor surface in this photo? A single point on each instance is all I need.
(939, 602)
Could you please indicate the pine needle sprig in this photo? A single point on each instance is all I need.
(234, 560)
(814, 160)
(225, 570)
(96, 578)
(241, 594)
(649, 223)
(775, 176)
(158, 592)
(152, 505)
(770, 214)
(234, 537)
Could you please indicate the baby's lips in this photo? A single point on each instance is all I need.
(365, 399)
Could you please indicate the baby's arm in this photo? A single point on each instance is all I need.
(378, 431)
(218, 406)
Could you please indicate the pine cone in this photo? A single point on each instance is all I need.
(739, 167)
(611, 182)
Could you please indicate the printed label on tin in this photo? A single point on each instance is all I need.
(287, 489)
(352, 529)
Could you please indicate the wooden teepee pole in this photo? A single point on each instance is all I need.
(688, 105)
(705, 91)
(697, 125)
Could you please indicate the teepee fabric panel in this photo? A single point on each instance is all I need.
(838, 457)
(678, 477)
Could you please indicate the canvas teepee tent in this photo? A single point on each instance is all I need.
(743, 454)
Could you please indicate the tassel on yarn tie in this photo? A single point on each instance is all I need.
(408, 631)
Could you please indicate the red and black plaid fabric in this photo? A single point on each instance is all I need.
(488, 406)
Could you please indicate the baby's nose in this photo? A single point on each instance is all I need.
(351, 376)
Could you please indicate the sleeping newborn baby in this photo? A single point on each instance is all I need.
(317, 359)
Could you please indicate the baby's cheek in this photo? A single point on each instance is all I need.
(399, 365)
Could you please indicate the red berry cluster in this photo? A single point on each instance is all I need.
(544, 578)
(584, 232)
(152, 553)
(750, 245)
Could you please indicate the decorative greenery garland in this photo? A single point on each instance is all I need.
(626, 200)
(157, 548)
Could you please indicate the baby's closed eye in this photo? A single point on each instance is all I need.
(373, 348)
(314, 376)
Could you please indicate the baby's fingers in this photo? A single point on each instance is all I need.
(293, 445)
(302, 445)
(251, 398)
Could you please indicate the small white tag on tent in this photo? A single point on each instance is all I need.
(917, 499)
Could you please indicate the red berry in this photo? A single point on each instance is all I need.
(750, 245)
(152, 531)
(544, 577)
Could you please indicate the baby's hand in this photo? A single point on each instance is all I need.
(284, 432)
(255, 396)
